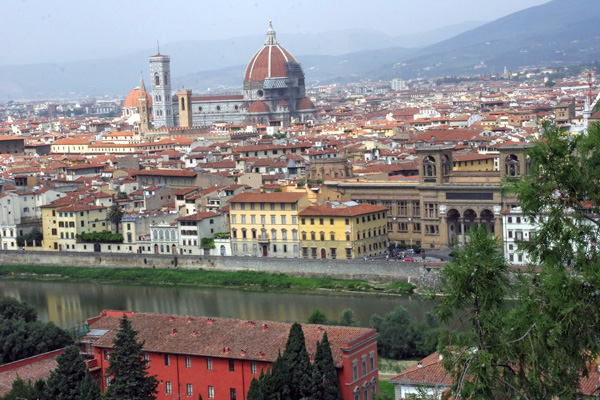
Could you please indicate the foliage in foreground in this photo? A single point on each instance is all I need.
(293, 377)
(71, 379)
(541, 345)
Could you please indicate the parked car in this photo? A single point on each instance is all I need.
(409, 259)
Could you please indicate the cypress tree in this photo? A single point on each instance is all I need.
(65, 381)
(296, 364)
(128, 368)
(275, 383)
(254, 392)
(324, 379)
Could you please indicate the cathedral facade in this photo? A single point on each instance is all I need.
(273, 93)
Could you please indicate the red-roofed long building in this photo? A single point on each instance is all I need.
(217, 358)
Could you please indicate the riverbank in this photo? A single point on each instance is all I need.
(247, 280)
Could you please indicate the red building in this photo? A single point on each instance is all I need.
(218, 357)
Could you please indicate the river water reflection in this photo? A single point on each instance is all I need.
(67, 304)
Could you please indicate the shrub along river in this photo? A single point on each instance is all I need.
(69, 304)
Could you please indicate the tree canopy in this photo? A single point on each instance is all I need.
(542, 343)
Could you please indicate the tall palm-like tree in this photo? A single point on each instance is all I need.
(115, 215)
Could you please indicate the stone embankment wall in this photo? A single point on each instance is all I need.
(378, 270)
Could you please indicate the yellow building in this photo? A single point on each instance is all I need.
(266, 224)
(475, 162)
(62, 223)
(343, 230)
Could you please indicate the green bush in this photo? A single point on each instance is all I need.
(101, 237)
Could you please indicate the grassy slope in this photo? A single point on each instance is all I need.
(242, 279)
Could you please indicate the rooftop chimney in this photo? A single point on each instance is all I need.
(173, 331)
(264, 327)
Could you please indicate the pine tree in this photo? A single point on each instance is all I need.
(88, 389)
(296, 364)
(324, 379)
(128, 368)
(65, 381)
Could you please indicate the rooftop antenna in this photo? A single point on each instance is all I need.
(158, 46)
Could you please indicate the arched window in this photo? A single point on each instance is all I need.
(512, 166)
(429, 166)
(155, 235)
(183, 104)
(166, 80)
(161, 235)
(446, 165)
(273, 234)
(156, 79)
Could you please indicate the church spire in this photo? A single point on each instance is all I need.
(271, 39)
(142, 86)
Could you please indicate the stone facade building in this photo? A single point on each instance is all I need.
(273, 93)
(436, 210)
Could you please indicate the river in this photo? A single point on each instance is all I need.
(68, 304)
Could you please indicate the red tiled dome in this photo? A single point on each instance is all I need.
(133, 99)
(259, 107)
(270, 61)
(305, 104)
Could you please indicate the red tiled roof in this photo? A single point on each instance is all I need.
(220, 337)
(28, 369)
(198, 216)
(341, 211)
(428, 371)
(166, 172)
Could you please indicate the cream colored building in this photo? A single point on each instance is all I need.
(266, 224)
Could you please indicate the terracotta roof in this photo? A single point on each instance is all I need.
(305, 104)
(259, 106)
(220, 337)
(269, 62)
(341, 210)
(428, 371)
(28, 369)
(279, 197)
(198, 216)
(166, 172)
(133, 99)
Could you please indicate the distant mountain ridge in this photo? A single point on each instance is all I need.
(199, 61)
(559, 32)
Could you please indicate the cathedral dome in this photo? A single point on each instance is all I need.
(259, 107)
(271, 61)
(133, 99)
(305, 104)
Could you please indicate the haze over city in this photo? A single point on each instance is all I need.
(68, 30)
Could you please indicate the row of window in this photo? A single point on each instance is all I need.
(263, 206)
(367, 218)
(403, 226)
(274, 248)
(254, 234)
(364, 369)
(263, 219)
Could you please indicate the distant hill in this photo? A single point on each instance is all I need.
(217, 64)
(556, 33)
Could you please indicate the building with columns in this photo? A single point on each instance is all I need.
(273, 93)
(436, 209)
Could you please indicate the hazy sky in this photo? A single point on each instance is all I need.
(66, 30)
